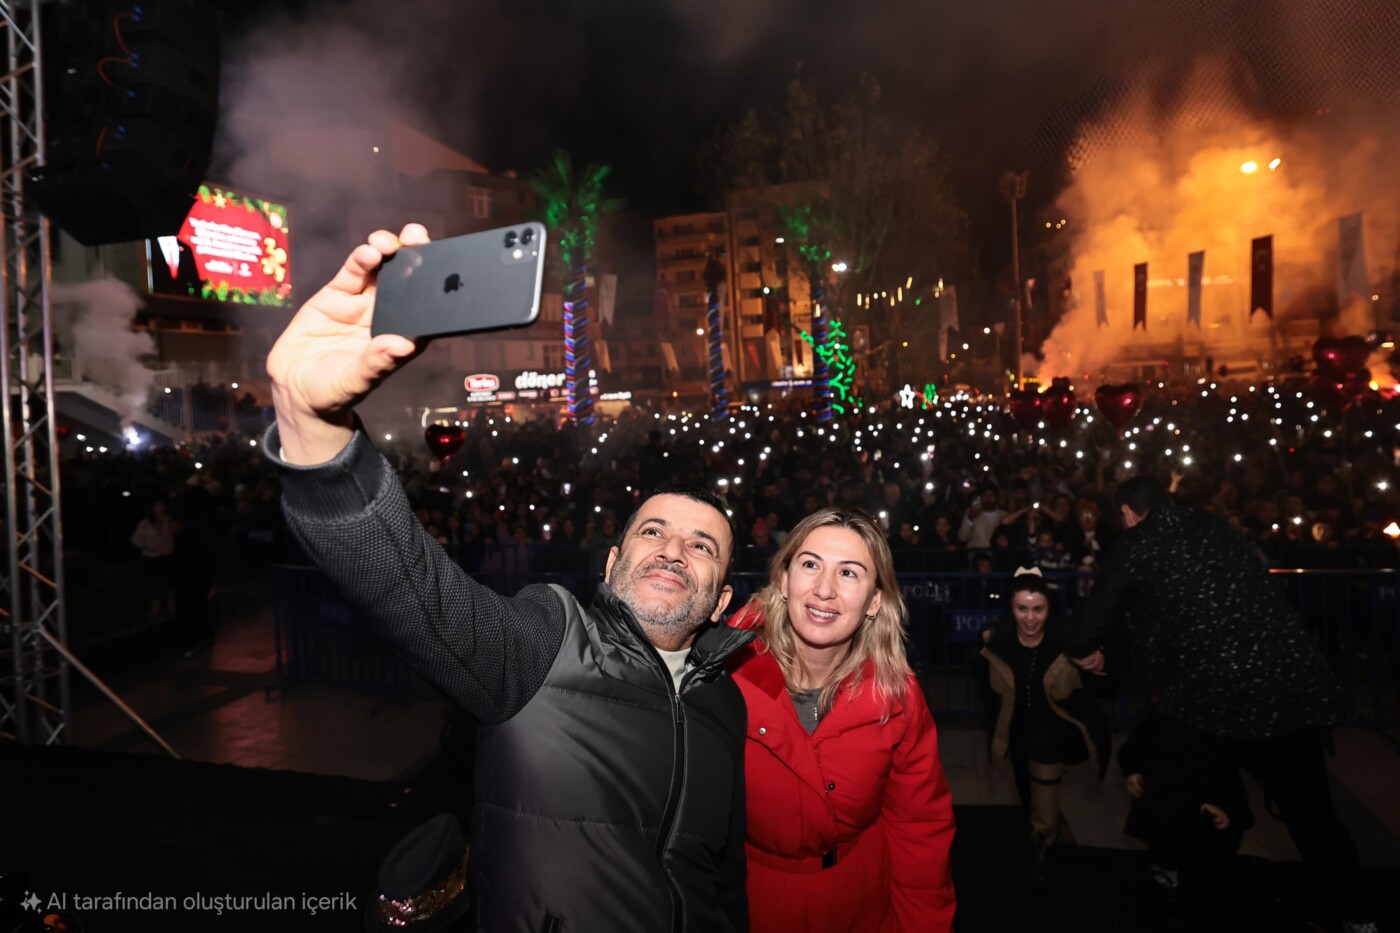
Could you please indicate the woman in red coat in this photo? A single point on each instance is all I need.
(849, 813)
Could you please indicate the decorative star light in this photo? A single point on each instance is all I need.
(906, 396)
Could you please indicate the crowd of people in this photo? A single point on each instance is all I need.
(960, 487)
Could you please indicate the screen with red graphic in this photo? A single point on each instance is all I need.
(231, 248)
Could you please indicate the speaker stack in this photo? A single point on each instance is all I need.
(131, 102)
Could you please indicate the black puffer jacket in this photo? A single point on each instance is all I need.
(1229, 653)
(604, 800)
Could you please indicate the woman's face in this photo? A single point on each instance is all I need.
(1030, 611)
(831, 587)
(942, 525)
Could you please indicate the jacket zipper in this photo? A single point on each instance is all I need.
(668, 816)
(673, 798)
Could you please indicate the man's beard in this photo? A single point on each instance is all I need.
(680, 618)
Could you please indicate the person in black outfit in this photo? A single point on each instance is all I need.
(1041, 713)
(1241, 683)
(609, 785)
(1223, 810)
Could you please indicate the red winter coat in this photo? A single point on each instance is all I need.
(848, 828)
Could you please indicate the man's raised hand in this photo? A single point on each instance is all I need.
(325, 362)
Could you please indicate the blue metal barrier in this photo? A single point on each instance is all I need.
(321, 640)
(1354, 614)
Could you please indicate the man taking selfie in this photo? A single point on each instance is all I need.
(609, 787)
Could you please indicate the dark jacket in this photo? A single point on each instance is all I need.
(1220, 786)
(1065, 690)
(1229, 653)
(603, 799)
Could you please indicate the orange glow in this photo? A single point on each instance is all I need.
(1200, 189)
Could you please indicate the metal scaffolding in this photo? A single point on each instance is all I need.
(35, 705)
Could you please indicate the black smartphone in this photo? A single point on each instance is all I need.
(461, 285)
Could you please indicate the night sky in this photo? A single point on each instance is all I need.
(642, 84)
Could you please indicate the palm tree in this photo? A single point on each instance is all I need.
(573, 208)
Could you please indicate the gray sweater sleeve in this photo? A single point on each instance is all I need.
(488, 652)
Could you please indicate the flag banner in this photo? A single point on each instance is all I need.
(1140, 295)
(1195, 265)
(1261, 285)
(948, 307)
(774, 344)
(1100, 302)
(607, 297)
(770, 313)
(1351, 255)
(668, 353)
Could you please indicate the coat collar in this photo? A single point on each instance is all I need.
(714, 644)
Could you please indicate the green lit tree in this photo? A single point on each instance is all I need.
(574, 208)
(862, 189)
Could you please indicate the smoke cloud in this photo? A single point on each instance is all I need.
(97, 317)
(1158, 181)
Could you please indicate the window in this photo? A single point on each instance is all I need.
(749, 241)
(481, 202)
(753, 267)
(554, 357)
(687, 252)
(685, 278)
(689, 301)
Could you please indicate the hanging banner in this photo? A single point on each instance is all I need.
(1140, 295)
(1261, 286)
(1100, 302)
(1195, 265)
(1351, 256)
(607, 297)
(774, 344)
(948, 306)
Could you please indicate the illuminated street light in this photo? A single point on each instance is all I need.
(1275, 164)
(838, 267)
(1249, 168)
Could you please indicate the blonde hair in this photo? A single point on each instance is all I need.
(878, 640)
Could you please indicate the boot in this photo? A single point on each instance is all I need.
(1045, 801)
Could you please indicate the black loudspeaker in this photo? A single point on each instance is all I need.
(131, 97)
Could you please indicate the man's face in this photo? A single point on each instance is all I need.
(989, 499)
(669, 567)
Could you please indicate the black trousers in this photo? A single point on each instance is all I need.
(1181, 763)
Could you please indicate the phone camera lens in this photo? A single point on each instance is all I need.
(527, 236)
(510, 238)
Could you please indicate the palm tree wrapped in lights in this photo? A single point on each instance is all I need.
(714, 278)
(573, 208)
